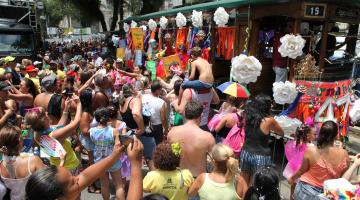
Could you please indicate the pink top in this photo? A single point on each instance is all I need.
(322, 171)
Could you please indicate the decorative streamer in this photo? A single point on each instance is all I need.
(293, 105)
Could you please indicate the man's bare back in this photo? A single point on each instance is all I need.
(204, 69)
(195, 144)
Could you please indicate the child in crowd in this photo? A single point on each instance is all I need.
(203, 68)
(295, 149)
(266, 185)
(104, 138)
(168, 179)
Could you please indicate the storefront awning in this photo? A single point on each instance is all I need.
(203, 6)
(231, 4)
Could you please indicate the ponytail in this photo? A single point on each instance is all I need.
(232, 168)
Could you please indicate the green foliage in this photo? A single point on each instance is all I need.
(57, 9)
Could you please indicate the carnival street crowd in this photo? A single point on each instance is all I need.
(75, 117)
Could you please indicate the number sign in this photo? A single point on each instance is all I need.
(315, 10)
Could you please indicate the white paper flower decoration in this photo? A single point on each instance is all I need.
(180, 20)
(126, 27)
(289, 125)
(163, 22)
(221, 17)
(291, 46)
(284, 92)
(144, 28)
(245, 69)
(152, 25)
(133, 24)
(197, 18)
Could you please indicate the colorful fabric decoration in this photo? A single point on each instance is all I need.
(293, 105)
(234, 89)
(291, 46)
(151, 66)
(284, 93)
(126, 27)
(197, 18)
(152, 25)
(294, 155)
(180, 20)
(221, 17)
(225, 45)
(133, 24)
(163, 22)
(245, 69)
(181, 37)
(339, 189)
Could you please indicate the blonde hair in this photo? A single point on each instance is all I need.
(224, 156)
(26, 62)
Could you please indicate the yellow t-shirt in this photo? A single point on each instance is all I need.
(168, 183)
(2, 71)
(71, 161)
(60, 75)
(36, 82)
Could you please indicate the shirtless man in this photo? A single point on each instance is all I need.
(203, 67)
(50, 100)
(195, 143)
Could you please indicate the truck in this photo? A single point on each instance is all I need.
(19, 29)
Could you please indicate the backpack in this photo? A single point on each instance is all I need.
(236, 136)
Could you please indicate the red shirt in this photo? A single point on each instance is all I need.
(277, 60)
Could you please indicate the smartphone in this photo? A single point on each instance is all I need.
(126, 140)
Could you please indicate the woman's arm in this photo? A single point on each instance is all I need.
(134, 152)
(221, 124)
(194, 189)
(86, 84)
(241, 186)
(62, 133)
(132, 75)
(137, 114)
(347, 175)
(274, 126)
(18, 96)
(64, 117)
(85, 124)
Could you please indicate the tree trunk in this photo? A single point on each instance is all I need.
(115, 14)
(121, 9)
(103, 23)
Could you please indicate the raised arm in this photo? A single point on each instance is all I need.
(87, 83)
(276, 127)
(185, 98)
(134, 152)
(132, 75)
(62, 133)
(164, 119)
(215, 99)
(347, 175)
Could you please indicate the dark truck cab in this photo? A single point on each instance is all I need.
(16, 39)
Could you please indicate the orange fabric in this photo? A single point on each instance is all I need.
(230, 37)
(221, 41)
(181, 36)
(322, 170)
(205, 54)
(152, 35)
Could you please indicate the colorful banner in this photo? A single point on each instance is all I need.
(137, 35)
(171, 59)
(51, 146)
(120, 53)
(322, 90)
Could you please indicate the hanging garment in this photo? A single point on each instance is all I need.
(181, 36)
(230, 37)
(221, 33)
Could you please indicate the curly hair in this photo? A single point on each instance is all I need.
(164, 158)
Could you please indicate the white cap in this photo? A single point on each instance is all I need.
(37, 62)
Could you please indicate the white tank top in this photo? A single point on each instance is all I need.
(154, 104)
(205, 100)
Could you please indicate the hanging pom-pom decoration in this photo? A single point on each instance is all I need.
(144, 28)
(152, 25)
(133, 24)
(180, 20)
(291, 46)
(163, 22)
(245, 69)
(126, 27)
(284, 93)
(221, 17)
(197, 18)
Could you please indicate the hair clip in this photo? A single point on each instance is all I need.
(35, 109)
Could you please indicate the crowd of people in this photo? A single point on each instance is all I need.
(121, 121)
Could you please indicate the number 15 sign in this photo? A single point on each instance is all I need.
(312, 10)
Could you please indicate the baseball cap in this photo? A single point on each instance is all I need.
(8, 59)
(4, 86)
(37, 63)
(48, 80)
(31, 68)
